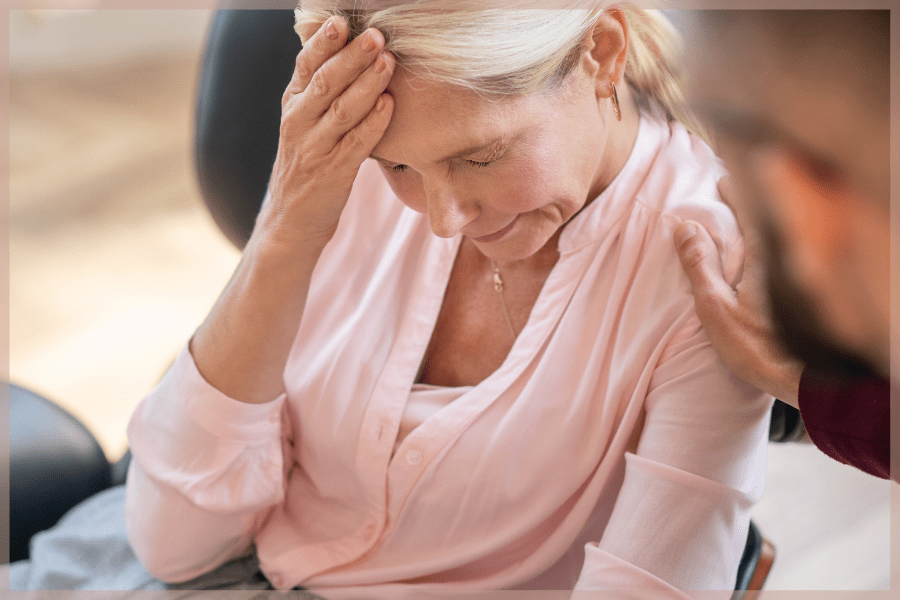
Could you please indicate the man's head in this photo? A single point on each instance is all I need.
(799, 104)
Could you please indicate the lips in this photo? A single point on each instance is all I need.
(493, 237)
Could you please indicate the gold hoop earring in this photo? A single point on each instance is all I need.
(615, 102)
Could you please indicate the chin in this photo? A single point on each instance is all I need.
(520, 244)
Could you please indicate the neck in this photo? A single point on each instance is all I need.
(619, 143)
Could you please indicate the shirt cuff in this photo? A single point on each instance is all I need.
(221, 454)
(604, 571)
(675, 525)
(222, 415)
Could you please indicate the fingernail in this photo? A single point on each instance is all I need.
(684, 232)
(380, 64)
(330, 30)
(379, 106)
(368, 44)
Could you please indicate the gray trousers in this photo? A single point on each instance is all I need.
(88, 550)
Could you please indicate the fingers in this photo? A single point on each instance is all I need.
(701, 263)
(327, 41)
(358, 143)
(725, 186)
(358, 101)
(731, 196)
(340, 71)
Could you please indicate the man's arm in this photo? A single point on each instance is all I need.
(847, 420)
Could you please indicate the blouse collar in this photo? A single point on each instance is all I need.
(595, 220)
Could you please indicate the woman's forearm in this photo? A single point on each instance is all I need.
(173, 538)
(242, 347)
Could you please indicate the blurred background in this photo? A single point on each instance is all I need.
(115, 261)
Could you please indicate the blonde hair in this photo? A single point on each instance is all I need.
(498, 52)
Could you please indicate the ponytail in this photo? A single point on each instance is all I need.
(654, 68)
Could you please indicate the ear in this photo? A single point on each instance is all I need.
(605, 51)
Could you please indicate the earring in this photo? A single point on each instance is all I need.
(615, 102)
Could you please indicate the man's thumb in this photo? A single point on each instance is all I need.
(700, 259)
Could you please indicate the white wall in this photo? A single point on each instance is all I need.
(49, 40)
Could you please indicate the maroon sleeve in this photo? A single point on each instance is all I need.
(849, 420)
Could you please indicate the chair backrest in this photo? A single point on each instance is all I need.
(247, 63)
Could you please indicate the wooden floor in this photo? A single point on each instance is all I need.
(115, 261)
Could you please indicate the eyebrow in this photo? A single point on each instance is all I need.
(756, 130)
(496, 142)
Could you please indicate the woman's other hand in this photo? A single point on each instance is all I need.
(334, 112)
(737, 319)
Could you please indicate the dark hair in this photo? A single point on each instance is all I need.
(797, 324)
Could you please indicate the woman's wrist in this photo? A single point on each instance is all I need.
(242, 347)
(286, 247)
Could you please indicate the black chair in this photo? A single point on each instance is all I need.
(247, 63)
(54, 463)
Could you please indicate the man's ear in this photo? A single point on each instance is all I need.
(605, 51)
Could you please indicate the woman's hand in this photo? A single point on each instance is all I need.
(334, 112)
(737, 320)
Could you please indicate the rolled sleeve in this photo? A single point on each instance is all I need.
(606, 572)
(221, 454)
(682, 514)
(679, 529)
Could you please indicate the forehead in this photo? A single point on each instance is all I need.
(810, 90)
(715, 56)
(431, 119)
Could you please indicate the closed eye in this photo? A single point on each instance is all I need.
(402, 168)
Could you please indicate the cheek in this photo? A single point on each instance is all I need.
(526, 182)
(520, 192)
(408, 188)
(535, 184)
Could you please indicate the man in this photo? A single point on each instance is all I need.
(799, 105)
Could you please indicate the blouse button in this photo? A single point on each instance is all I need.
(277, 580)
(413, 457)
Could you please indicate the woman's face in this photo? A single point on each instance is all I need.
(507, 174)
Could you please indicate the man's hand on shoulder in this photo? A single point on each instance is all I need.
(737, 319)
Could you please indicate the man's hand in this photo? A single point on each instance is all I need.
(737, 319)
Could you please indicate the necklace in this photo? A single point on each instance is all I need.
(498, 286)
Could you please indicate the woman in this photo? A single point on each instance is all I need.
(497, 381)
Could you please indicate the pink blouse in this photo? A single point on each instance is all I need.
(532, 479)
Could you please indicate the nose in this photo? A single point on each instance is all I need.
(448, 209)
